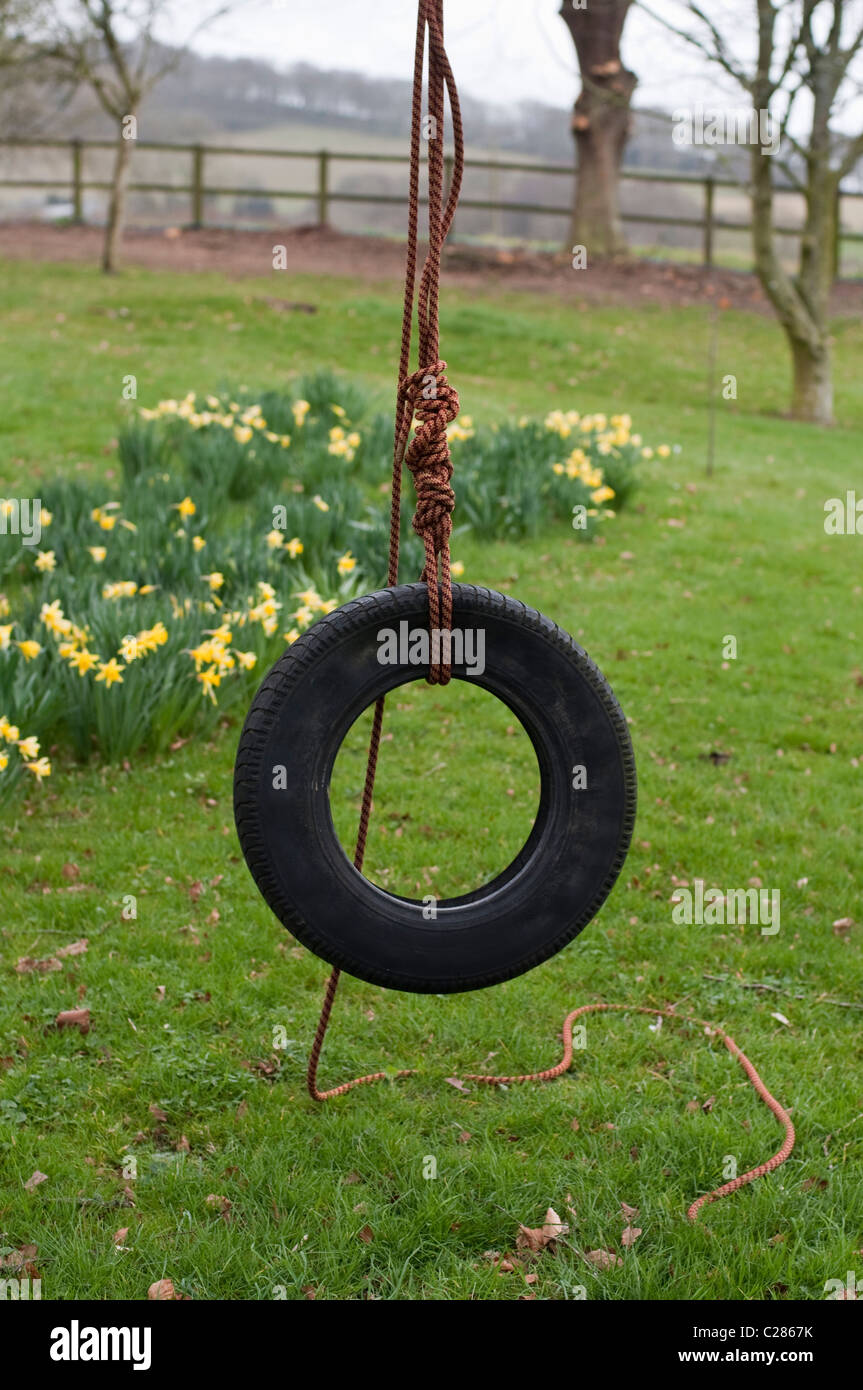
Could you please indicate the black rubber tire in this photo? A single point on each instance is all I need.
(553, 887)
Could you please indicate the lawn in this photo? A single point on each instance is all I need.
(178, 1119)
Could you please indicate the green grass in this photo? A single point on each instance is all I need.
(186, 996)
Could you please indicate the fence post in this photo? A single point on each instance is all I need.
(708, 220)
(77, 185)
(197, 186)
(323, 187)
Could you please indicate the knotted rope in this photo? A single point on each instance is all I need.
(426, 395)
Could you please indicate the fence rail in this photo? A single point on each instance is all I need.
(323, 195)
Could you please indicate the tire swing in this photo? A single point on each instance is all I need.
(334, 671)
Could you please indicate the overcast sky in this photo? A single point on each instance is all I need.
(500, 50)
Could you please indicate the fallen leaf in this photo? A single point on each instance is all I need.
(158, 1114)
(630, 1236)
(603, 1259)
(780, 1018)
(34, 1180)
(20, 1261)
(119, 1236)
(27, 965)
(70, 871)
(75, 948)
(631, 1213)
(541, 1237)
(220, 1203)
(366, 1234)
(709, 1104)
(74, 1018)
(459, 1085)
(163, 1291)
(842, 926)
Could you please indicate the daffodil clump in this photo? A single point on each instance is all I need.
(147, 610)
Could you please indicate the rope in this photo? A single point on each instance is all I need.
(770, 1101)
(426, 395)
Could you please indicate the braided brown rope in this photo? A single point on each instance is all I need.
(770, 1101)
(426, 395)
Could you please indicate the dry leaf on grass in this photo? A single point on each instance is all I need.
(75, 948)
(544, 1236)
(603, 1259)
(631, 1213)
(459, 1085)
(163, 1291)
(74, 1018)
(119, 1236)
(20, 1262)
(28, 965)
(630, 1236)
(219, 1203)
(366, 1235)
(34, 1180)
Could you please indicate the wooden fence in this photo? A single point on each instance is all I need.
(323, 195)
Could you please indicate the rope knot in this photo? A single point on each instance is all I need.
(427, 394)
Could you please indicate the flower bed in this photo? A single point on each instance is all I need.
(238, 520)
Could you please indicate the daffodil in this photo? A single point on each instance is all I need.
(294, 548)
(28, 649)
(198, 542)
(319, 502)
(10, 732)
(83, 661)
(247, 660)
(300, 410)
(186, 507)
(291, 636)
(45, 560)
(28, 747)
(457, 569)
(346, 563)
(215, 580)
(5, 633)
(98, 553)
(275, 539)
(40, 768)
(110, 672)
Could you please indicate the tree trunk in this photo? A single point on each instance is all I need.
(812, 392)
(116, 206)
(600, 123)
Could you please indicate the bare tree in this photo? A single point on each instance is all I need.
(600, 121)
(111, 47)
(809, 49)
